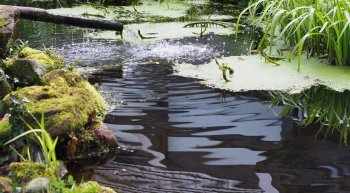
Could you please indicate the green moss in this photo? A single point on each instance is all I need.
(91, 187)
(23, 172)
(9, 63)
(2, 21)
(5, 131)
(52, 61)
(60, 78)
(66, 109)
(48, 59)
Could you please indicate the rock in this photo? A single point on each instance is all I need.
(62, 78)
(5, 185)
(5, 87)
(23, 172)
(46, 58)
(26, 71)
(66, 109)
(5, 130)
(9, 28)
(37, 185)
(92, 186)
(2, 108)
(106, 137)
(30, 64)
(113, 68)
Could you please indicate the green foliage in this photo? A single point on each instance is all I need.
(47, 144)
(319, 27)
(319, 105)
(17, 47)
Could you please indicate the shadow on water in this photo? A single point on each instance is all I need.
(179, 136)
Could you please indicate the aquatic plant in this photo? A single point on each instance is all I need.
(203, 25)
(224, 67)
(319, 27)
(329, 108)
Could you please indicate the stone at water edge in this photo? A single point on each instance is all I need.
(27, 71)
(106, 137)
(5, 185)
(9, 28)
(5, 87)
(37, 185)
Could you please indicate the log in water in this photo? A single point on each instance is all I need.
(37, 14)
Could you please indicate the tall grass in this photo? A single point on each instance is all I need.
(317, 27)
(319, 105)
(47, 144)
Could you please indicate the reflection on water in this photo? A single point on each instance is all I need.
(319, 104)
(180, 136)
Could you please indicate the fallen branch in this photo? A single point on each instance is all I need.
(37, 14)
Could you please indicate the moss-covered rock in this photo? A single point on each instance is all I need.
(23, 172)
(93, 187)
(66, 109)
(5, 185)
(5, 131)
(30, 64)
(5, 87)
(61, 78)
(26, 71)
(37, 185)
(8, 28)
(47, 58)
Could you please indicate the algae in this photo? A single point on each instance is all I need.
(160, 31)
(254, 73)
(146, 11)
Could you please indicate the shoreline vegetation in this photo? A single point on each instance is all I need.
(302, 60)
(48, 112)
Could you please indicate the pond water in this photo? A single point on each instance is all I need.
(177, 135)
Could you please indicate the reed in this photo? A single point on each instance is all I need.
(317, 27)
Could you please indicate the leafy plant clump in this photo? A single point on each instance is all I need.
(319, 105)
(319, 27)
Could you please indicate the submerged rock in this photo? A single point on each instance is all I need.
(5, 185)
(9, 25)
(37, 185)
(5, 87)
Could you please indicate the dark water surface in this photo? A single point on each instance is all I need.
(179, 136)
